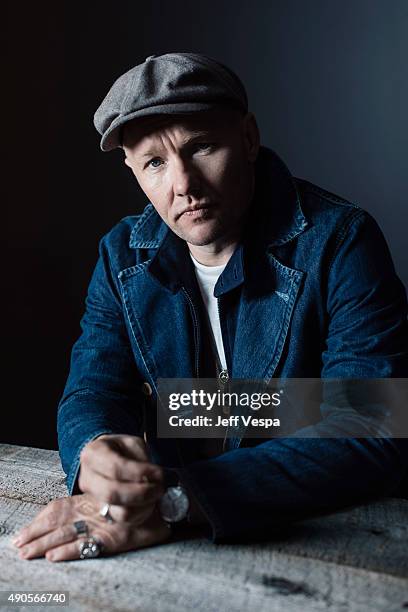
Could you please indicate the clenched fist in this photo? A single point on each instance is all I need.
(115, 469)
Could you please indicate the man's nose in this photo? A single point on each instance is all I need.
(186, 179)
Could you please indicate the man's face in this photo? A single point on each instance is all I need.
(196, 170)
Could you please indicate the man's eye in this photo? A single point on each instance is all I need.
(154, 163)
(203, 146)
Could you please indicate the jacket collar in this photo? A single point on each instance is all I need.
(149, 231)
(276, 212)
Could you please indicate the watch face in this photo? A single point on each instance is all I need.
(174, 504)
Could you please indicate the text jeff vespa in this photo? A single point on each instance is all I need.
(208, 401)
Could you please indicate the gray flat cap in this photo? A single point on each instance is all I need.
(167, 84)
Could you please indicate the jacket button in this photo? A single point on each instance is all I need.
(146, 389)
(223, 376)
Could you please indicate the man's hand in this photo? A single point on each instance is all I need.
(53, 535)
(115, 469)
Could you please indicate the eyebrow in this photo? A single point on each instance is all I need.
(198, 135)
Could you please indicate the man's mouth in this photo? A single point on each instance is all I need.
(199, 210)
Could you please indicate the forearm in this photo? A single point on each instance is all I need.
(250, 491)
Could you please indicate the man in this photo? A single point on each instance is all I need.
(234, 270)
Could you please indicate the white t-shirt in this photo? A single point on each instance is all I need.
(207, 277)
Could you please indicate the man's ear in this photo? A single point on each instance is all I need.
(127, 162)
(251, 136)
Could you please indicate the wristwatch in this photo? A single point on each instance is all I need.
(174, 504)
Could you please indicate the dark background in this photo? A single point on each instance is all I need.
(327, 80)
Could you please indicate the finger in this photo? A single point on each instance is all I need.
(71, 551)
(121, 539)
(39, 546)
(128, 447)
(121, 493)
(109, 463)
(66, 552)
(142, 538)
(136, 447)
(99, 486)
(133, 446)
(47, 520)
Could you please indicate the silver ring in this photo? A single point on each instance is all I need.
(90, 548)
(81, 528)
(105, 513)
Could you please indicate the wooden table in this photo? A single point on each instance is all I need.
(349, 561)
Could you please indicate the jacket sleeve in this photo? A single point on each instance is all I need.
(249, 491)
(102, 393)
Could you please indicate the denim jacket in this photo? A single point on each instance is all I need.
(310, 291)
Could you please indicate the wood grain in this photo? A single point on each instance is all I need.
(353, 561)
